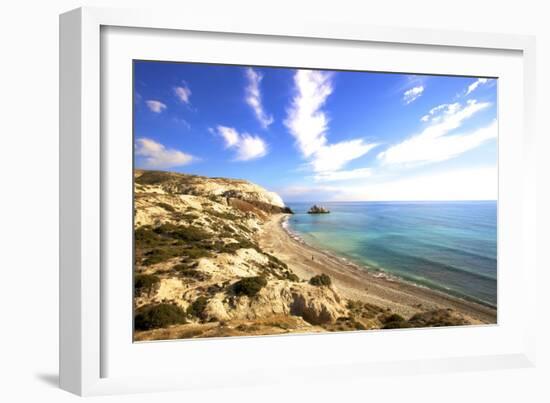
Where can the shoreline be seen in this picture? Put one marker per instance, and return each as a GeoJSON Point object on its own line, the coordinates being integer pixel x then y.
{"type": "Point", "coordinates": [356, 282]}
{"type": "Point", "coordinates": [374, 271]}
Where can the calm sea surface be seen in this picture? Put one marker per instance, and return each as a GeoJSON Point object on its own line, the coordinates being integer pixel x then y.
{"type": "Point", "coordinates": [449, 246]}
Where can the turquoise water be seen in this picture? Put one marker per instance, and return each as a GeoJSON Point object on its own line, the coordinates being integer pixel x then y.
{"type": "Point", "coordinates": [449, 246]}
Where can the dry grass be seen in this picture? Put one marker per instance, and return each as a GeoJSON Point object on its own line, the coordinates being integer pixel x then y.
{"type": "Point", "coordinates": [277, 324]}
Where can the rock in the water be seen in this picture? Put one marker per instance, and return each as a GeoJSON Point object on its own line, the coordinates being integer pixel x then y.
{"type": "Point", "coordinates": [315, 209]}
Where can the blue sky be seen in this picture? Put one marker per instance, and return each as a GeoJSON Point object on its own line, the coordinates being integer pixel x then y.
{"type": "Point", "coordinates": [317, 135]}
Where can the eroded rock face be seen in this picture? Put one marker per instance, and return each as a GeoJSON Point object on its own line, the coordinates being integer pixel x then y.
{"type": "Point", "coordinates": [316, 305]}
{"type": "Point", "coordinates": [216, 311]}
{"type": "Point", "coordinates": [176, 183]}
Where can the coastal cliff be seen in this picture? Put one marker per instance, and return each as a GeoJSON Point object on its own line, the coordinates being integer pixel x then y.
{"type": "Point", "coordinates": [197, 262]}
{"type": "Point", "coordinates": [200, 270]}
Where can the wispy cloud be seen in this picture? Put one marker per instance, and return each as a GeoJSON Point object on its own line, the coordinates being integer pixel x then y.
{"type": "Point", "coordinates": [308, 123]}
{"type": "Point", "coordinates": [333, 157]}
{"type": "Point", "coordinates": [476, 183]}
{"type": "Point", "coordinates": [183, 93]}
{"type": "Point", "coordinates": [413, 94]}
{"type": "Point", "coordinates": [359, 173]}
{"type": "Point", "coordinates": [157, 155]}
{"type": "Point", "coordinates": [247, 146]}
{"type": "Point", "coordinates": [435, 143]}
{"type": "Point", "coordinates": [436, 113]}
{"type": "Point", "coordinates": [181, 121]}
{"type": "Point", "coordinates": [472, 87]}
{"type": "Point", "coordinates": [230, 136]}
{"type": "Point", "coordinates": [253, 97]}
{"type": "Point", "coordinates": [155, 106]}
{"type": "Point", "coordinates": [305, 118]}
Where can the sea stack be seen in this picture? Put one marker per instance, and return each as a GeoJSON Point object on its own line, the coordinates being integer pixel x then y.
{"type": "Point", "coordinates": [315, 209]}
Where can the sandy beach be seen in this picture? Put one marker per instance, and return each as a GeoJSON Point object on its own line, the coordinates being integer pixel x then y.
{"type": "Point", "coordinates": [357, 283]}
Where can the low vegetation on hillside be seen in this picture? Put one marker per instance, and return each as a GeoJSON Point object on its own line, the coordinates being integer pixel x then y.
{"type": "Point", "coordinates": [199, 271]}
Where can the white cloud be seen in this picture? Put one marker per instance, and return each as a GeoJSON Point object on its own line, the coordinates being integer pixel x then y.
{"type": "Point", "coordinates": [435, 144]}
{"type": "Point", "coordinates": [247, 146]}
{"type": "Point", "coordinates": [439, 111]}
{"type": "Point", "coordinates": [254, 97]}
{"type": "Point", "coordinates": [182, 121]}
{"type": "Point", "coordinates": [335, 156]}
{"type": "Point", "coordinates": [250, 147]}
{"type": "Point", "coordinates": [305, 118]}
{"type": "Point", "coordinates": [183, 93]}
{"type": "Point", "coordinates": [308, 123]}
{"type": "Point", "coordinates": [412, 94]}
{"type": "Point", "coordinates": [472, 87]}
{"type": "Point", "coordinates": [230, 135]}
{"type": "Point", "coordinates": [158, 156]}
{"type": "Point", "coordinates": [460, 184]}
{"type": "Point", "coordinates": [155, 106]}
{"type": "Point", "coordinates": [359, 173]}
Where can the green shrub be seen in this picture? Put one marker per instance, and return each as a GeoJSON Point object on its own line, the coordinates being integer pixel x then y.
{"type": "Point", "coordinates": [437, 317]}
{"type": "Point", "coordinates": [153, 177]}
{"type": "Point", "coordinates": [394, 317]}
{"type": "Point", "coordinates": [188, 217]}
{"type": "Point", "coordinates": [155, 245]}
{"type": "Point", "coordinates": [189, 271]}
{"type": "Point", "coordinates": [240, 243]}
{"type": "Point", "coordinates": [250, 285]}
{"type": "Point", "coordinates": [197, 307]}
{"type": "Point", "coordinates": [320, 280]}
{"type": "Point", "coordinates": [355, 305]}
{"type": "Point", "coordinates": [167, 207]}
{"type": "Point", "coordinates": [243, 228]}
{"type": "Point", "coordinates": [223, 215]}
{"type": "Point", "coordinates": [145, 283]}
{"type": "Point", "coordinates": [394, 321]}
{"type": "Point", "coordinates": [215, 198]}
{"type": "Point", "coordinates": [195, 252]}
{"type": "Point", "coordinates": [145, 236]}
{"type": "Point", "coordinates": [190, 233]}
{"type": "Point", "coordinates": [228, 229]}
{"type": "Point", "coordinates": [158, 255]}
{"type": "Point", "coordinates": [158, 316]}
{"type": "Point", "coordinates": [182, 268]}
{"type": "Point", "coordinates": [396, 325]}
{"type": "Point", "coordinates": [293, 277]}
{"type": "Point", "coordinates": [276, 263]}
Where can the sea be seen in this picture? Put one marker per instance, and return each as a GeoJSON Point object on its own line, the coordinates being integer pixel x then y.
{"type": "Point", "coordinates": [447, 246]}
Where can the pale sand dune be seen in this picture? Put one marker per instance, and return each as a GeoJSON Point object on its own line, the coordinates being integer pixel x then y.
{"type": "Point", "coordinates": [353, 282]}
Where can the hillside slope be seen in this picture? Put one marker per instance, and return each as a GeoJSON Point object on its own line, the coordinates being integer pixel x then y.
{"type": "Point", "coordinates": [199, 271]}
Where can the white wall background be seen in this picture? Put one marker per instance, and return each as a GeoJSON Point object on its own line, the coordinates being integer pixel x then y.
{"type": "Point", "coordinates": [29, 201]}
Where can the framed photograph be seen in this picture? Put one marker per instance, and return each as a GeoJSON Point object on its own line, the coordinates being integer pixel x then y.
{"type": "Point", "coordinates": [244, 203]}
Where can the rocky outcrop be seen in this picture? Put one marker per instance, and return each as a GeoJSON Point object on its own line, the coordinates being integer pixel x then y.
{"type": "Point", "coordinates": [316, 305]}
{"type": "Point", "coordinates": [197, 236]}
{"type": "Point", "coordinates": [315, 209]}
{"type": "Point", "coordinates": [176, 183]}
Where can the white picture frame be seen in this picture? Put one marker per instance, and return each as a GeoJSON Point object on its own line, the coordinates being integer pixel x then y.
{"type": "Point", "coordinates": [85, 346]}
